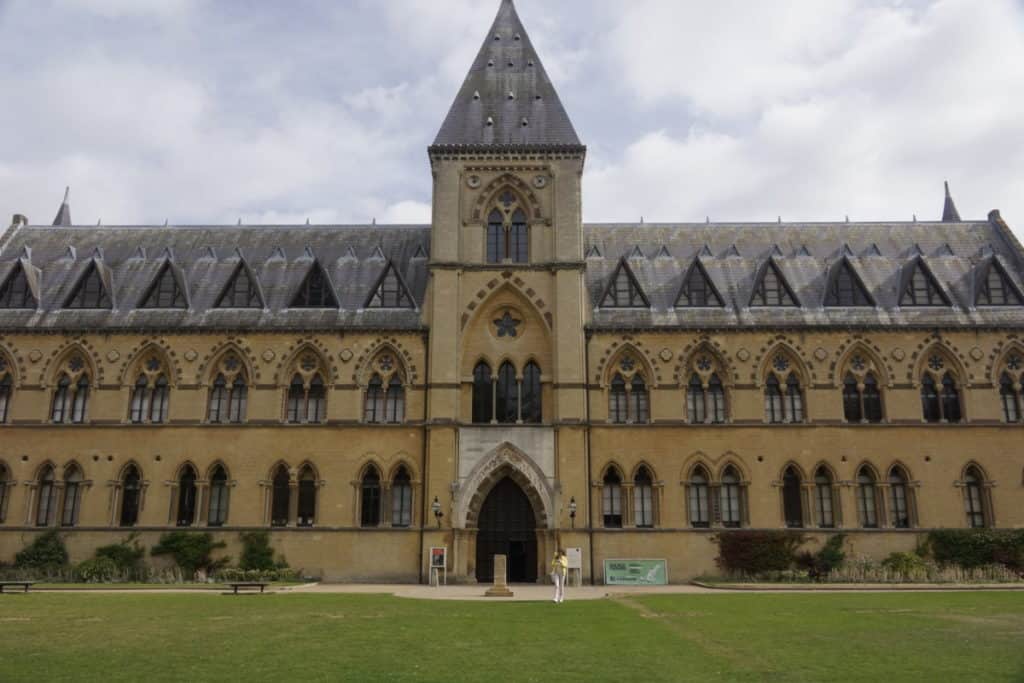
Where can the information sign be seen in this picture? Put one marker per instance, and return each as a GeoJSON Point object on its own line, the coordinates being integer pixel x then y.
{"type": "Point", "coordinates": [635, 573]}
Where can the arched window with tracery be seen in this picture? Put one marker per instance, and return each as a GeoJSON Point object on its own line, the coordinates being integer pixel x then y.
{"type": "Point", "coordinates": [229, 395]}
{"type": "Point", "coordinates": [307, 497]}
{"type": "Point", "coordinates": [628, 398]}
{"type": "Point", "coordinates": [508, 233]}
{"type": "Point", "coordinates": [643, 499]}
{"type": "Point", "coordinates": [506, 405]}
{"type": "Point", "coordinates": [783, 393]}
{"type": "Point", "coordinates": [6, 389]}
{"type": "Point", "coordinates": [867, 498]}
{"type": "Point", "coordinates": [531, 394]}
{"type": "Point", "coordinates": [307, 392]}
{"type": "Point", "coordinates": [976, 502]}
{"type": "Point", "coordinates": [483, 394]}
{"type": "Point", "coordinates": [280, 496]}
{"type": "Point", "coordinates": [940, 392]}
{"type": "Point", "coordinates": [1011, 381]}
{"type": "Point", "coordinates": [611, 499]}
{"type": "Point", "coordinates": [384, 400]}
{"type": "Point", "coordinates": [71, 396]}
{"type": "Point", "coordinates": [150, 398]}
{"type": "Point", "coordinates": [46, 497]}
{"type": "Point", "coordinates": [370, 498]}
{"type": "Point", "coordinates": [705, 393]}
{"type": "Point", "coordinates": [186, 497]}
{"type": "Point", "coordinates": [618, 411]}
{"type": "Point", "coordinates": [900, 500]}
{"type": "Point", "coordinates": [824, 498]}
{"type": "Point", "coordinates": [793, 498]}
{"type": "Point", "coordinates": [401, 499]}
{"type": "Point", "coordinates": [862, 399]}
{"type": "Point", "coordinates": [731, 498]}
{"type": "Point", "coordinates": [131, 496]}
{"type": "Point", "coordinates": [72, 496]}
{"type": "Point", "coordinates": [699, 495]}
{"type": "Point", "coordinates": [217, 511]}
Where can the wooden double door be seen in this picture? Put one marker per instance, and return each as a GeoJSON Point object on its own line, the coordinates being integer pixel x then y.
{"type": "Point", "coordinates": [506, 526]}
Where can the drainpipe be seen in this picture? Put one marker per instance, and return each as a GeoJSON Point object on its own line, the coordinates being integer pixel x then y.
{"type": "Point", "coordinates": [586, 450]}
{"type": "Point", "coordinates": [423, 451]}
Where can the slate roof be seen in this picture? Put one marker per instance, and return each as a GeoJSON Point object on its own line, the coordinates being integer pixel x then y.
{"type": "Point", "coordinates": [131, 257]}
{"type": "Point", "coordinates": [507, 97]}
{"type": "Point", "coordinates": [734, 254]}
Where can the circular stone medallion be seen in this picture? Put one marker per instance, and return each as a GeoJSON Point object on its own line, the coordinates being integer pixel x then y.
{"type": "Point", "coordinates": [191, 355]}
{"type": "Point", "coordinates": [113, 356]}
{"type": "Point", "coordinates": [540, 182]}
{"type": "Point", "coordinates": [898, 354]}
{"type": "Point", "coordinates": [977, 354]}
{"type": "Point", "coordinates": [743, 355]}
{"type": "Point", "coordinates": [473, 182]}
{"type": "Point", "coordinates": [820, 353]}
{"type": "Point", "coordinates": [666, 355]}
{"type": "Point", "coordinates": [345, 355]}
{"type": "Point", "coordinates": [269, 355]}
{"type": "Point", "coordinates": [35, 355]}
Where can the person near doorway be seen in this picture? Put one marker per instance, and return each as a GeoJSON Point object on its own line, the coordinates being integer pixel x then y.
{"type": "Point", "coordinates": [559, 572]}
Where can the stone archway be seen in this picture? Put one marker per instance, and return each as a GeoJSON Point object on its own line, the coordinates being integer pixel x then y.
{"type": "Point", "coordinates": [505, 461]}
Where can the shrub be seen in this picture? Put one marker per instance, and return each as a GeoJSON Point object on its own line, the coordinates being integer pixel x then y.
{"type": "Point", "coordinates": [126, 555]}
{"type": "Point", "coordinates": [191, 550]}
{"type": "Point", "coordinates": [753, 552]}
{"type": "Point", "coordinates": [256, 551]}
{"type": "Point", "coordinates": [46, 552]}
{"type": "Point", "coordinates": [820, 564]}
{"type": "Point", "coordinates": [97, 570]}
{"type": "Point", "coordinates": [970, 548]}
{"type": "Point", "coordinates": [905, 564]}
{"type": "Point", "coordinates": [229, 574]}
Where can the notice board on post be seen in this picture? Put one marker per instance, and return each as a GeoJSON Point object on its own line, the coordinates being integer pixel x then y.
{"type": "Point", "coordinates": [635, 573]}
{"type": "Point", "coordinates": [575, 557]}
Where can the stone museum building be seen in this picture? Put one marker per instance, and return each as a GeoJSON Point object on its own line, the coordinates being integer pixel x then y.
{"type": "Point", "coordinates": [509, 379]}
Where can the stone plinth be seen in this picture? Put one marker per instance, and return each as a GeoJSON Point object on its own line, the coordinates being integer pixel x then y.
{"type": "Point", "coordinates": [500, 587]}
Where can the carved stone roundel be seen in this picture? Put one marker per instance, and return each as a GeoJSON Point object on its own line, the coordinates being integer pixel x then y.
{"type": "Point", "coordinates": [268, 355]}
{"type": "Point", "coordinates": [473, 182]}
{"type": "Point", "coordinates": [743, 355]}
{"type": "Point", "coordinates": [666, 355]}
{"type": "Point", "coordinates": [191, 355]}
{"type": "Point", "coordinates": [977, 354]}
{"type": "Point", "coordinates": [113, 356]}
{"type": "Point", "coordinates": [898, 354]}
{"type": "Point", "coordinates": [35, 355]}
{"type": "Point", "coordinates": [820, 353]}
{"type": "Point", "coordinates": [345, 355]}
{"type": "Point", "coordinates": [540, 182]}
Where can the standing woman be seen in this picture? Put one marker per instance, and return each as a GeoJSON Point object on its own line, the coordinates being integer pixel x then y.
{"type": "Point", "coordinates": [559, 570]}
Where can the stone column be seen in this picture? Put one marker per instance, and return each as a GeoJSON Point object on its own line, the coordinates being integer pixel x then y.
{"type": "Point", "coordinates": [500, 588]}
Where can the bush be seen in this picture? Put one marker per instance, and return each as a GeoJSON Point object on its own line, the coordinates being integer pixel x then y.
{"type": "Point", "coordinates": [97, 570]}
{"type": "Point", "coordinates": [191, 551]}
{"type": "Point", "coordinates": [256, 551]}
{"type": "Point", "coordinates": [905, 564]}
{"type": "Point", "coordinates": [971, 548]}
{"type": "Point", "coordinates": [229, 574]}
{"type": "Point", "coordinates": [126, 555]}
{"type": "Point", "coordinates": [46, 553]}
{"type": "Point", "coordinates": [753, 552]}
{"type": "Point", "coordinates": [822, 563]}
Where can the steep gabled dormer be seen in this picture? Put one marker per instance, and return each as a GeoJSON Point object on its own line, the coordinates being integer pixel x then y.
{"type": "Point", "coordinates": [242, 289]}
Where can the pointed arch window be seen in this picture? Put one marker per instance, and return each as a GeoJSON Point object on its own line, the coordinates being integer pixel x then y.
{"type": "Point", "coordinates": [394, 401]}
{"type": "Point", "coordinates": [824, 498]}
{"type": "Point", "coordinates": [1009, 395]}
{"type": "Point", "coordinates": [187, 497]}
{"type": "Point", "coordinates": [15, 292]}
{"type": "Point", "coordinates": [307, 497]}
{"type": "Point", "coordinates": [5, 395]}
{"type": "Point", "coordinates": [370, 498]}
{"type": "Point", "coordinates": [867, 499]}
{"type": "Point", "coordinates": [794, 400]}
{"type": "Point", "coordinates": [306, 405]}
{"type": "Point", "coordinates": [131, 496]}
{"type": "Point", "coordinates": [862, 400]}
{"type": "Point", "coordinates": [166, 291]}
{"type": "Point", "coordinates": [772, 289]}
{"type": "Point", "coordinates": [70, 400]}
{"type": "Point", "coordinates": [639, 404]}
{"type": "Point", "coordinates": [695, 406]}
{"type": "Point", "coordinates": [373, 408]}
{"type": "Point", "coordinates": [140, 400]}
{"type": "Point", "coordinates": [508, 236]}
{"type": "Point", "coordinates": [698, 291]}
{"type": "Point", "coordinates": [507, 395]}
{"type": "Point", "coordinates": [217, 514]}
{"type": "Point", "coordinates": [705, 404]}
{"type": "Point", "coordinates": [46, 498]}
{"type": "Point", "coordinates": [280, 497]}
{"type": "Point", "coordinates": [773, 401]}
{"type": "Point", "coordinates": [611, 500]}
{"type": "Point", "coordinates": [315, 290]}
{"type": "Point", "coordinates": [643, 499]}
{"type": "Point", "coordinates": [401, 499]}
{"type": "Point", "coordinates": [899, 499]}
{"type": "Point", "coordinates": [241, 290]}
{"type": "Point", "coordinates": [160, 401]}
{"type": "Point", "coordinates": [940, 402]}
{"type": "Point", "coordinates": [700, 511]}
{"type": "Point", "coordinates": [996, 288]}
{"type": "Point", "coordinates": [731, 499]}
{"type": "Point", "coordinates": [975, 499]}
{"type": "Point", "coordinates": [496, 248]}
{"type": "Point", "coordinates": [61, 407]}
{"type": "Point", "coordinates": [618, 411]}
{"type": "Point", "coordinates": [90, 292]}
{"type": "Point", "coordinates": [793, 498]}
{"type": "Point", "coordinates": [483, 394]}
{"type": "Point", "coordinates": [72, 496]}
{"type": "Point", "coordinates": [930, 400]}
{"type": "Point", "coordinates": [531, 394]}
{"type": "Point", "coordinates": [228, 400]}
{"type": "Point", "coordinates": [852, 409]}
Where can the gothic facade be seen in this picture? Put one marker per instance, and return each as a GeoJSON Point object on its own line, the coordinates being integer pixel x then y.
{"type": "Point", "coordinates": [509, 379]}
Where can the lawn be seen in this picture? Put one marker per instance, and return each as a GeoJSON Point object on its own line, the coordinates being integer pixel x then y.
{"type": "Point", "coordinates": [748, 637]}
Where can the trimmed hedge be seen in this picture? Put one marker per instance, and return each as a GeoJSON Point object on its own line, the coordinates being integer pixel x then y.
{"type": "Point", "coordinates": [752, 552]}
{"type": "Point", "coordinates": [970, 548]}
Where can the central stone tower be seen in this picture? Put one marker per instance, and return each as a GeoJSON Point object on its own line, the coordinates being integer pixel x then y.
{"type": "Point", "coordinates": [506, 310]}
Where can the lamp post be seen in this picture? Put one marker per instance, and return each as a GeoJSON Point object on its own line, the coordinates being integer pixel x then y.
{"type": "Point", "coordinates": [572, 511]}
{"type": "Point", "coordinates": [436, 507]}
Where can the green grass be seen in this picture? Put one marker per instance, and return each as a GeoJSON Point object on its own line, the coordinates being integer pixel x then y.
{"type": "Point", "coordinates": [144, 586]}
{"type": "Point", "coordinates": [755, 637]}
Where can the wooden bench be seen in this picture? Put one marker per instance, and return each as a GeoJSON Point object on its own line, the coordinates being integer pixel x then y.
{"type": "Point", "coordinates": [24, 584]}
{"type": "Point", "coordinates": [247, 584]}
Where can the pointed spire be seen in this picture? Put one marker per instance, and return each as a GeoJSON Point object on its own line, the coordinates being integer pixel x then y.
{"type": "Point", "coordinates": [949, 212]}
{"type": "Point", "coordinates": [803, 251]}
{"type": "Point", "coordinates": [484, 113]}
{"type": "Point", "coordinates": [637, 252]}
{"type": "Point", "coordinates": [594, 252]}
{"type": "Point", "coordinates": [63, 217]}
{"type": "Point", "coordinates": [663, 252]}
{"type": "Point", "coordinates": [705, 252]}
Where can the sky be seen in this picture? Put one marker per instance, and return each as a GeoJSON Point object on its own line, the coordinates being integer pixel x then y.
{"type": "Point", "coordinates": [206, 112]}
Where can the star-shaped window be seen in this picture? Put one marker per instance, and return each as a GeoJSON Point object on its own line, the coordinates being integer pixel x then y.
{"type": "Point", "coordinates": [507, 325]}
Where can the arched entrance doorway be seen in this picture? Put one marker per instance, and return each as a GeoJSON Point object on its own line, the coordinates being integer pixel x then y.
{"type": "Point", "coordinates": [506, 526]}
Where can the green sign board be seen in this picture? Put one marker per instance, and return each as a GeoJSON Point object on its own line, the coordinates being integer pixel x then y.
{"type": "Point", "coordinates": [635, 573]}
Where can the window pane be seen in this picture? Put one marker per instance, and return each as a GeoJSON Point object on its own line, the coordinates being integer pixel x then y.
{"type": "Point", "coordinates": [507, 407]}
{"type": "Point", "coordinates": [483, 397]}
{"type": "Point", "coordinates": [370, 499]}
{"type": "Point", "coordinates": [531, 394]}
{"type": "Point", "coordinates": [280, 498]}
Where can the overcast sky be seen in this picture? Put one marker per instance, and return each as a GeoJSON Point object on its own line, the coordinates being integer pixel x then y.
{"type": "Point", "coordinates": [206, 112]}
